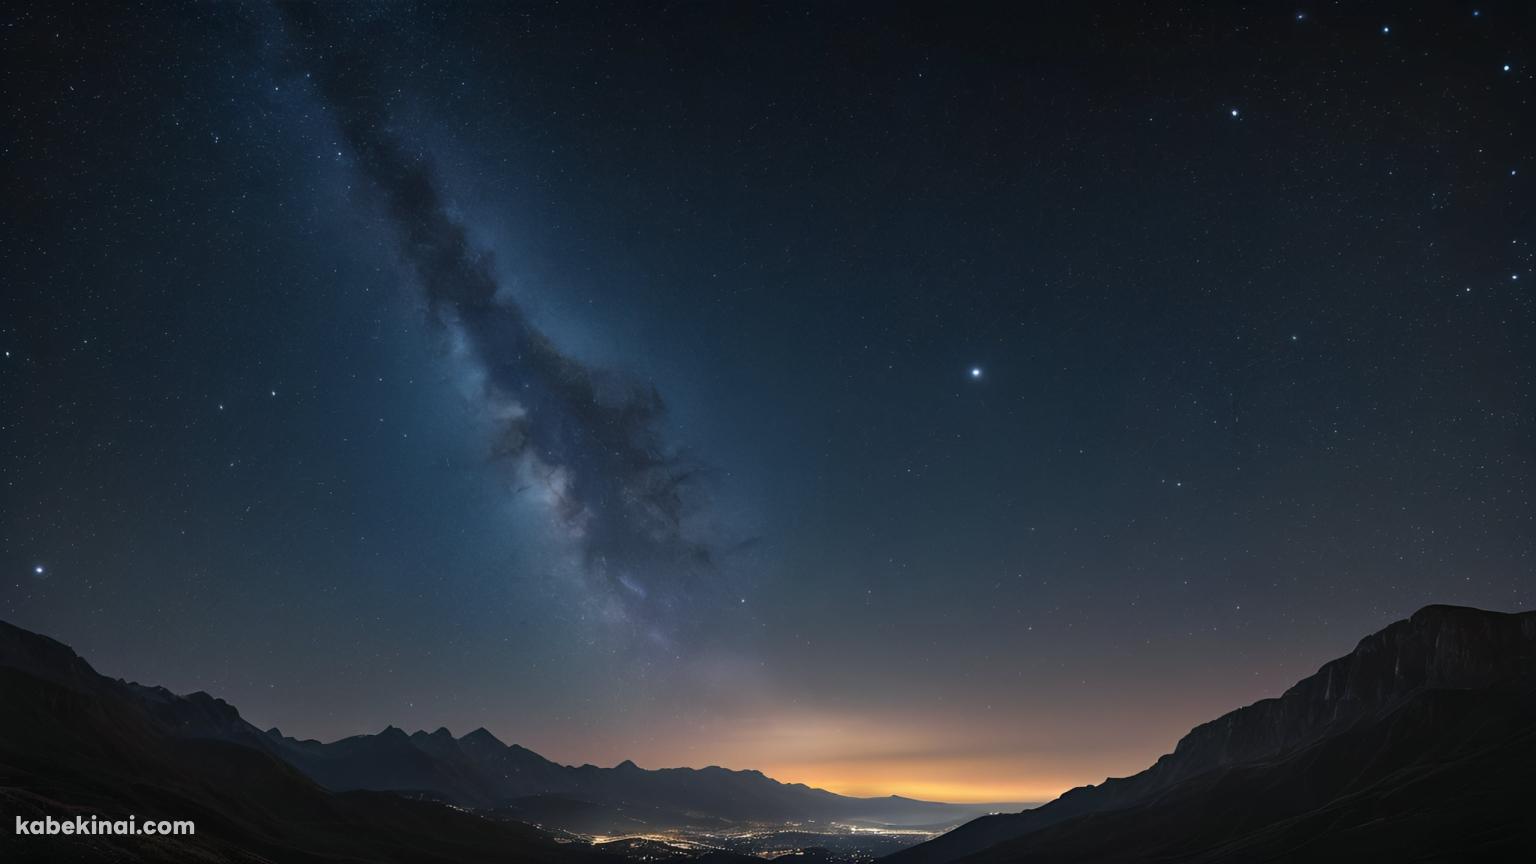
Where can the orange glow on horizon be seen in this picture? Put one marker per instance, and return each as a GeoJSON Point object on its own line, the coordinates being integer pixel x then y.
{"type": "Point", "coordinates": [956, 782]}
{"type": "Point", "coordinates": [920, 754]}
{"type": "Point", "coordinates": [951, 792]}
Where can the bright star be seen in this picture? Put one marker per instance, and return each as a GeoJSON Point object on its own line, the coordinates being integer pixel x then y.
{"type": "Point", "coordinates": [975, 371]}
{"type": "Point", "coordinates": [1234, 112]}
{"type": "Point", "coordinates": [1386, 29]}
{"type": "Point", "coordinates": [38, 569]}
{"type": "Point", "coordinates": [1506, 67]}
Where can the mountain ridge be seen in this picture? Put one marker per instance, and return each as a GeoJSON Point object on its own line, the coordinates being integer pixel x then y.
{"type": "Point", "coordinates": [90, 746]}
{"type": "Point", "coordinates": [1439, 647]}
{"type": "Point", "coordinates": [478, 770]}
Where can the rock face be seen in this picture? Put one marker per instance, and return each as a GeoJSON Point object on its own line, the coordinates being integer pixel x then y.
{"type": "Point", "coordinates": [1440, 648]}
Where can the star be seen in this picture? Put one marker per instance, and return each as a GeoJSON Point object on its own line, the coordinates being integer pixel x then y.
{"type": "Point", "coordinates": [975, 371]}
{"type": "Point", "coordinates": [1506, 67]}
{"type": "Point", "coordinates": [1386, 29]}
{"type": "Point", "coordinates": [1234, 112]}
{"type": "Point", "coordinates": [38, 569]}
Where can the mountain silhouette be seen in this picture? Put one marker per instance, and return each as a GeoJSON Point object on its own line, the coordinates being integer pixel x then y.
{"type": "Point", "coordinates": [74, 741]}
{"type": "Point", "coordinates": [1414, 746]}
{"type": "Point", "coordinates": [479, 771]}
{"type": "Point", "coordinates": [1417, 745]}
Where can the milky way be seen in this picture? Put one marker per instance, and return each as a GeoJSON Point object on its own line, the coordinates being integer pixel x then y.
{"type": "Point", "coordinates": [590, 438]}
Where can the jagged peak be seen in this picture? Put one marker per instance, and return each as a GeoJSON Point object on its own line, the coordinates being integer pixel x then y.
{"type": "Point", "coordinates": [626, 765]}
{"type": "Point", "coordinates": [482, 737]}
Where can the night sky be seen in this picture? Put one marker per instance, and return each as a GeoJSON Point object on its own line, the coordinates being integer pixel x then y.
{"type": "Point", "coordinates": [960, 404]}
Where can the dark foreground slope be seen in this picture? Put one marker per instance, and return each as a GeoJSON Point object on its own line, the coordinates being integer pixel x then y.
{"type": "Point", "coordinates": [74, 742]}
{"type": "Point", "coordinates": [1415, 746]}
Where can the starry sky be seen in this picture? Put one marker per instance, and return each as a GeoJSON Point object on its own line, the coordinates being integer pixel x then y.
{"type": "Point", "coordinates": [950, 402]}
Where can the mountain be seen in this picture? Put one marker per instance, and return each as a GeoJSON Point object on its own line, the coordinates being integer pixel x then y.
{"type": "Point", "coordinates": [1417, 742]}
{"type": "Point", "coordinates": [1415, 746]}
{"type": "Point", "coordinates": [479, 771]}
{"type": "Point", "coordinates": [72, 740]}
{"type": "Point", "coordinates": [75, 742]}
